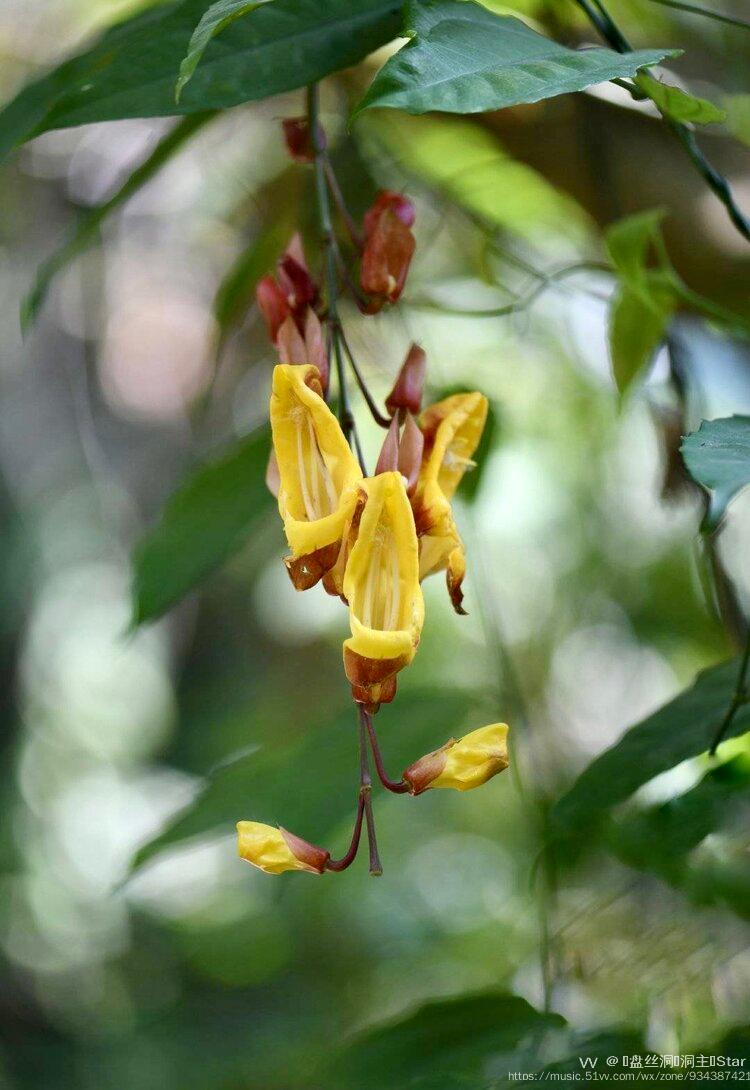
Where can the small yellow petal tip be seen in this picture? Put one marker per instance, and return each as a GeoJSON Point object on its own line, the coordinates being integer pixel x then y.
{"type": "Point", "coordinates": [462, 765]}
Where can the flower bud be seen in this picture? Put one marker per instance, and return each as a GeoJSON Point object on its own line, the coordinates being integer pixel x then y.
{"type": "Point", "coordinates": [275, 850]}
{"type": "Point", "coordinates": [273, 305]}
{"type": "Point", "coordinates": [388, 458]}
{"type": "Point", "coordinates": [289, 343]}
{"type": "Point", "coordinates": [389, 200]}
{"type": "Point", "coordinates": [468, 763]}
{"type": "Point", "coordinates": [410, 452]}
{"type": "Point", "coordinates": [407, 389]}
{"type": "Point", "coordinates": [388, 250]}
{"type": "Point", "coordinates": [315, 347]}
{"type": "Point", "coordinates": [295, 280]}
{"type": "Point", "coordinates": [298, 139]}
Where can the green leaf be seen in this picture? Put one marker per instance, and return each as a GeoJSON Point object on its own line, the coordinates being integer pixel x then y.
{"type": "Point", "coordinates": [738, 116]}
{"type": "Point", "coordinates": [207, 520]}
{"type": "Point", "coordinates": [89, 222]}
{"type": "Point", "coordinates": [309, 784]}
{"type": "Point", "coordinates": [681, 729]}
{"type": "Point", "coordinates": [131, 70]}
{"type": "Point", "coordinates": [217, 18]}
{"type": "Point", "coordinates": [637, 324]}
{"type": "Point", "coordinates": [464, 59]}
{"type": "Point", "coordinates": [718, 457]}
{"type": "Point", "coordinates": [678, 105]}
{"type": "Point", "coordinates": [469, 166]}
{"type": "Point", "coordinates": [660, 838]}
{"type": "Point", "coordinates": [448, 1044]}
{"type": "Point", "coordinates": [629, 241]}
{"type": "Point", "coordinates": [647, 298]}
{"type": "Point", "coordinates": [236, 290]}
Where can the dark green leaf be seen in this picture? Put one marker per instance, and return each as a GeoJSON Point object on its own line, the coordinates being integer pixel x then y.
{"type": "Point", "coordinates": [207, 520]}
{"type": "Point", "coordinates": [637, 324]}
{"type": "Point", "coordinates": [718, 457]}
{"type": "Point", "coordinates": [597, 1046]}
{"type": "Point", "coordinates": [236, 291]}
{"type": "Point", "coordinates": [450, 1043]}
{"type": "Point", "coordinates": [90, 221]}
{"type": "Point", "coordinates": [678, 105]}
{"type": "Point", "coordinates": [131, 70]}
{"type": "Point", "coordinates": [217, 18]}
{"type": "Point", "coordinates": [310, 785]}
{"type": "Point", "coordinates": [681, 729]}
{"type": "Point", "coordinates": [464, 59]}
{"type": "Point", "coordinates": [661, 837]}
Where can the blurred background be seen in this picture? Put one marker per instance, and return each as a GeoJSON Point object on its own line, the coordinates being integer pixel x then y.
{"type": "Point", "coordinates": [585, 590]}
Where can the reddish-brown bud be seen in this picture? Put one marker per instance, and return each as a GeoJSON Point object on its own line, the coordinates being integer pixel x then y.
{"type": "Point", "coordinates": [298, 139]}
{"type": "Point", "coordinates": [289, 343]}
{"type": "Point", "coordinates": [410, 452]}
{"type": "Point", "coordinates": [407, 389]}
{"type": "Point", "coordinates": [299, 287]}
{"type": "Point", "coordinates": [388, 459]}
{"type": "Point", "coordinates": [315, 347]}
{"type": "Point", "coordinates": [388, 250]}
{"type": "Point", "coordinates": [273, 305]}
{"type": "Point", "coordinates": [388, 199]}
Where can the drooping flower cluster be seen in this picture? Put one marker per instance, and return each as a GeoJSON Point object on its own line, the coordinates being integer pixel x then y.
{"type": "Point", "coordinates": [369, 539]}
{"type": "Point", "coordinates": [372, 540]}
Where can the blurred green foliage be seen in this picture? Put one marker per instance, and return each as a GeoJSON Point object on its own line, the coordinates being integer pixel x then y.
{"type": "Point", "coordinates": [605, 876]}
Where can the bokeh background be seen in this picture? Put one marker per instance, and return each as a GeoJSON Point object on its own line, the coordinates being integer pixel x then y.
{"type": "Point", "coordinates": [585, 589]}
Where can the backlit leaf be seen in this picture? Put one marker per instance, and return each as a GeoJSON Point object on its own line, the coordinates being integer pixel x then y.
{"type": "Point", "coordinates": [677, 104]}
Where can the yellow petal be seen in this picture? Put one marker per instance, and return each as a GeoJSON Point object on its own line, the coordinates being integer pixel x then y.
{"type": "Point", "coordinates": [270, 849]}
{"type": "Point", "coordinates": [381, 585]}
{"type": "Point", "coordinates": [465, 764]}
{"type": "Point", "coordinates": [452, 429]}
{"type": "Point", "coordinates": [475, 758]}
{"type": "Point", "coordinates": [319, 474]}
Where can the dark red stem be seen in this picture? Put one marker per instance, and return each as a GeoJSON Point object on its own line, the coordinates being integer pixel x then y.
{"type": "Point", "coordinates": [348, 859]}
{"type": "Point", "coordinates": [399, 788]}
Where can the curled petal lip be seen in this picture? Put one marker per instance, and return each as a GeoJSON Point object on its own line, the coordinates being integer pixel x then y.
{"type": "Point", "coordinates": [319, 475]}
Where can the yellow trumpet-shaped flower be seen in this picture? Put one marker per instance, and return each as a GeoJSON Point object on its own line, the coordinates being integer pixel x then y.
{"type": "Point", "coordinates": [381, 585]}
{"type": "Point", "coordinates": [275, 850]}
{"type": "Point", "coordinates": [318, 473]}
{"type": "Point", "coordinates": [452, 429]}
{"type": "Point", "coordinates": [465, 764]}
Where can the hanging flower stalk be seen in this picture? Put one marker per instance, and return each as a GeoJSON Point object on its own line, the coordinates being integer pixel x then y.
{"type": "Point", "coordinates": [370, 539]}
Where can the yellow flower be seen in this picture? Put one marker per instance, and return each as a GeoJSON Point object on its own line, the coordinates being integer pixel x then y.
{"type": "Point", "coordinates": [381, 585]}
{"type": "Point", "coordinates": [468, 763]}
{"type": "Point", "coordinates": [276, 850]}
{"type": "Point", "coordinates": [452, 429]}
{"type": "Point", "coordinates": [318, 473]}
